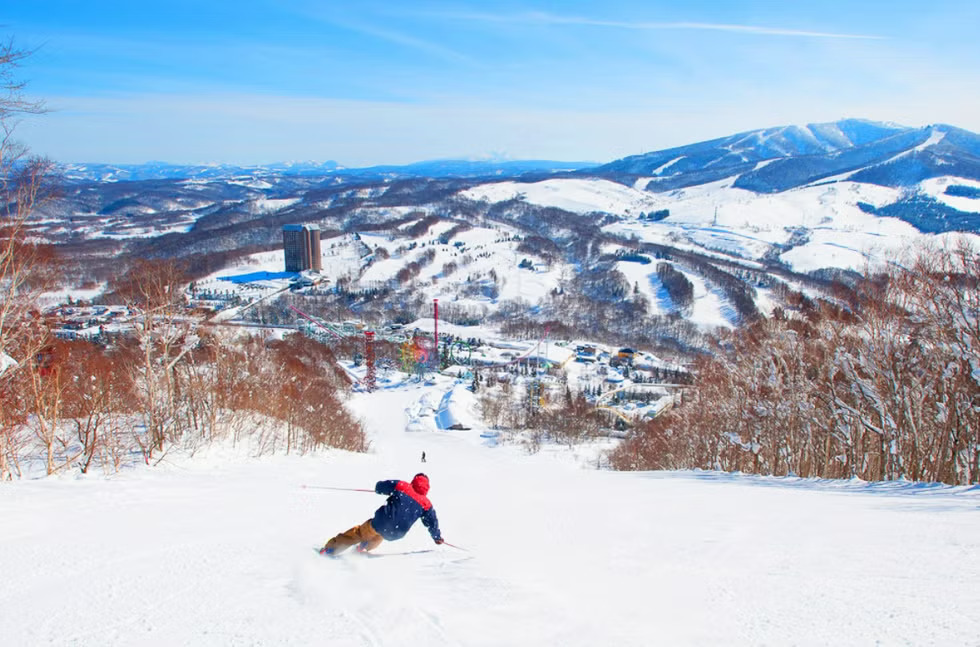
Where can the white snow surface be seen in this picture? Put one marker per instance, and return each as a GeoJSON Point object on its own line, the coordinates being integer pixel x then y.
{"type": "Point", "coordinates": [577, 196]}
{"type": "Point", "coordinates": [719, 218]}
{"type": "Point", "coordinates": [6, 361]}
{"type": "Point", "coordinates": [710, 308]}
{"type": "Point", "coordinates": [481, 252]}
{"type": "Point", "coordinates": [271, 205]}
{"type": "Point", "coordinates": [219, 550]}
{"type": "Point", "coordinates": [936, 188]}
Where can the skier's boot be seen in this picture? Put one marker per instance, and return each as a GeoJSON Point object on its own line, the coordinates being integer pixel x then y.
{"type": "Point", "coordinates": [327, 552]}
{"type": "Point", "coordinates": [362, 547]}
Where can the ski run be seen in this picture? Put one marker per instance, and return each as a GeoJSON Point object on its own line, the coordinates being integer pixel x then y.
{"type": "Point", "coordinates": [217, 549]}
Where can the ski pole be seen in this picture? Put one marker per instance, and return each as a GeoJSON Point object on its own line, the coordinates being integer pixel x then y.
{"type": "Point", "coordinates": [446, 543]}
{"type": "Point", "coordinates": [326, 487]}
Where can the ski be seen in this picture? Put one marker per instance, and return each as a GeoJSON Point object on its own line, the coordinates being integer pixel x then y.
{"type": "Point", "coordinates": [372, 555]}
{"type": "Point", "coordinates": [398, 554]}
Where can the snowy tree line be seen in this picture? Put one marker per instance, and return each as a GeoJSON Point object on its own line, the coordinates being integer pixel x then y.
{"type": "Point", "coordinates": [75, 404]}
{"type": "Point", "coordinates": [534, 411]}
{"type": "Point", "coordinates": [883, 386]}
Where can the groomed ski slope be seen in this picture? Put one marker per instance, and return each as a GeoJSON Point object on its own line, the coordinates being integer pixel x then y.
{"type": "Point", "coordinates": [219, 550]}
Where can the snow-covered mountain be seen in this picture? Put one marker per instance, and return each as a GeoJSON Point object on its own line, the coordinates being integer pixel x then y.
{"type": "Point", "coordinates": [778, 159]}
{"type": "Point", "coordinates": [837, 195]}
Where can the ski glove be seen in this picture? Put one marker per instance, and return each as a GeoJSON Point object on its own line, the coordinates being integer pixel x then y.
{"type": "Point", "coordinates": [438, 541]}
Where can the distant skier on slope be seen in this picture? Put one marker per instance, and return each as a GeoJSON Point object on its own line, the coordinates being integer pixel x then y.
{"type": "Point", "coordinates": [405, 505]}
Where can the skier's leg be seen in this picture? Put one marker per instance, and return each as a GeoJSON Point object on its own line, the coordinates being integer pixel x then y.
{"type": "Point", "coordinates": [370, 539]}
{"type": "Point", "coordinates": [346, 539]}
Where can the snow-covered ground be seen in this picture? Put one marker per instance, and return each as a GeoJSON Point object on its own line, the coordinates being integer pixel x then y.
{"type": "Point", "coordinates": [644, 277]}
{"type": "Point", "coordinates": [476, 269]}
{"type": "Point", "coordinates": [579, 196]}
{"type": "Point", "coordinates": [219, 550]}
{"type": "Point", "coordinates": [936, 189]}
{"type": "Point", "coordinates": [475, 253]}
{"type": "Point", "coordinates": [271, 205]}
{"type": "Point", "coordinates": [744, 224]}
{"type": "Point", "coordinates": [709, 310]}
{"type": "Point", "coordinates": [718, 218]}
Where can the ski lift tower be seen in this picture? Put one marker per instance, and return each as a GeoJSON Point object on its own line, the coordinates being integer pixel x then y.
{"type": "Point", "coordinates": [370, 378]}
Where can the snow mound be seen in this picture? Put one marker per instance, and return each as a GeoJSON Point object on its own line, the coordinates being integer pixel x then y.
{"type": "Point", "coordinates": [458, 409]}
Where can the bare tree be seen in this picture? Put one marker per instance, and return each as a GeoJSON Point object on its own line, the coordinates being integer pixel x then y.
{"type": "Point", "coordinates": [22, 333]}
{"type": "Point", "coordinates": [20, 186]}
{"type": "Point", "coordinates": [887, 388]}
{"type": "Point", "coordinates": [153, 292]}
{"type": "Point", "coordinates": [97, 394]}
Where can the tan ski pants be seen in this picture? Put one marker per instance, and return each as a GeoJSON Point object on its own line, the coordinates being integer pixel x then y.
{"type": "Point", "coordinates": [363, 533]}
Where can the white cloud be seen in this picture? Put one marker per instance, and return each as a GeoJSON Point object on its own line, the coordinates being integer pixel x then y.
{"type": "Point", "coordinates": [413, 42]}
{"type": "Point", "coordinates": [538, 17]}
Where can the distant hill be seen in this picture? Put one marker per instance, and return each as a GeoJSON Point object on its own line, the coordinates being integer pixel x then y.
{"type": "Point", "coordinates": [449, 168]}
{"type": "Point", "coordinates": [738, 216]}
{"type": "Point", "coordinates": [771, 160]}
{"type": "Point", "coordinates": [102, 172]}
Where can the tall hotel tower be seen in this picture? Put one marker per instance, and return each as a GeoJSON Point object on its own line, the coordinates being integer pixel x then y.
{"type": "Point", "coordinates": [302, 246]}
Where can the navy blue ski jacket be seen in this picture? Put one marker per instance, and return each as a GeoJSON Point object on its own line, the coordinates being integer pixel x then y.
{"type": "Point", "coordinates": [405, 505]}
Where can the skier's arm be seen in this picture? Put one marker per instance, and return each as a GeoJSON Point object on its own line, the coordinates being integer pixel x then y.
{"type": "Point", "coordinates": [430, 521]}
{"type": "Point", "coordinates": [385, 487]}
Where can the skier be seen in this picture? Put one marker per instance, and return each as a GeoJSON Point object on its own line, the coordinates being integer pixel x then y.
{"type": "Point", "coordinates": [423, 457]}
{"type": "Point", "coordinates": [405, 505]}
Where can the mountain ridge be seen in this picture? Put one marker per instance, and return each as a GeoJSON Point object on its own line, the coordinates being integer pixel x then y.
{"type": "Point", "coordinates": [771, 160]}
{"type": "Point", "coordinates": [765, 160]}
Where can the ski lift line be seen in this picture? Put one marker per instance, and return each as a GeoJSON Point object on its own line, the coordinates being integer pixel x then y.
{"type": "Point", "coordinates": [249, 306]}
{"type": "Point", "coordinates": [618, 413]}
{"type": "Point", "coordinates": [517, 359]}
{"type": "Point", "coordinates": [336, 334]}
{"type": "Point", "coordinates": [353, 377]}
{"type": "Point", "coordinates": [319, 323]}
{"type": "Point", "coordinates": [666, 407]}
{"type": "Point", "coordinates": [608, 394]}
{"type": "Point", "coordinates": [644, 385]}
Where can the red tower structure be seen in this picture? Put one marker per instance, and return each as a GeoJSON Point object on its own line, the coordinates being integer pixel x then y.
{"type": "Point", "coordinates": [370, 379]}
{"type": "Point", "coordinates": [435, 321]}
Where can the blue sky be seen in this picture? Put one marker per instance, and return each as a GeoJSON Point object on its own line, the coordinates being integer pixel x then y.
{"type": "Point", "coordinates": [363, 83]}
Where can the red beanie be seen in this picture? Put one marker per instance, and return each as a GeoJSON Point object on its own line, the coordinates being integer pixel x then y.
{"type": "Point", "coordinates": [420, 483]}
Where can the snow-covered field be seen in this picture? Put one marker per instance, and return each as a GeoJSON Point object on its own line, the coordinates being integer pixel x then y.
{"type": "Point", "coordinates": [716, 217]}
{"type": "Point", "coordinates": [219, 550]}
{"type": "Point", "coordinates": [710, 308]}
{"type": "Point", "coordinates": [936, 189]}
{"type": "Point", "coordinates": [475, 253]}
{"type": "Point", "coordinates": [578, 196]}
{"type": "Point", "coordinates": [744, 224]}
